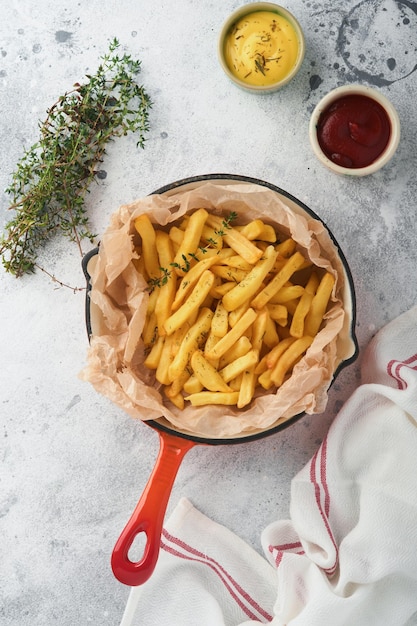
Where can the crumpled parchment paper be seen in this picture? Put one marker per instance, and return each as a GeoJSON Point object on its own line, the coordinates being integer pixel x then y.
{"type": "Point", "coordinates": [118, 305]}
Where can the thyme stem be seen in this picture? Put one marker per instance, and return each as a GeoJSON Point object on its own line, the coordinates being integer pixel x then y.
{"type": "Point", "coordinates": [52, 178]}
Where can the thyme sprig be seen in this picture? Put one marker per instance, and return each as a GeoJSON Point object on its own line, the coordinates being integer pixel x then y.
{"type": "Point", "coordinates": [52, 178]}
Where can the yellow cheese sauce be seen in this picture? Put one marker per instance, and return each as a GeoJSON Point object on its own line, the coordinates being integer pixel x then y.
{"type": "Point", "coordinates": [261, 48]}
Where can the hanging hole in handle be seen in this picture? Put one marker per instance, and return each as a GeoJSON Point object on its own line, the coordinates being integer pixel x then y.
{"type": "Point", "coordinates": [137, 548]}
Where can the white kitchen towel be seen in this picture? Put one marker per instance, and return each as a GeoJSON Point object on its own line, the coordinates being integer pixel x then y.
{"type": "Point", "coordinates": [348, 553]}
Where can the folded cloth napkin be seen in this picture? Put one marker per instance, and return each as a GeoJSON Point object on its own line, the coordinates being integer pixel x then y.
{"type": "Point", "coordinates": [348, 553]}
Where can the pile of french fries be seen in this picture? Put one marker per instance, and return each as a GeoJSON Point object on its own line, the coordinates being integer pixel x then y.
{"type": "Point", "coordinates": [231, 308]}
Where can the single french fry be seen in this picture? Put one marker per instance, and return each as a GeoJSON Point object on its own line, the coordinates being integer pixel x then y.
{"type": "Point", "coordinates": [176, 235]}
{"type": "Point", "coordinates": [319, 305]}
{"type": "Point", "coordinates": [239, 348]}
{"type": "Point", "coordinates": [249, 377]}
{"type": "Point", "coordinates": [268, 234]}
{"type": "Point", "coordinates": [154, 355]}
{"type": "Point", "coordinates": [271, 336]}
{"type": "Point", "coordinates": [226, 342]}
{"type": "Point", "coordinates": [279, 280]}
{"type": "Point", "coordinates": [144, 227]}
{"type": "Point", "coordinates": [238, 242]}
{"type": "Point", "coordinates": [213, 397]}
{"type": "Point", "coordinates": [289, 358]}
{"type": "Point", "coordinates": [239, 365]}
{"type": "Point", "coordinates": [277, 351]}
{"type": "Point", "coordinates": [235, 384]}
{"type": "Point", "coordinates": [177, 385]}
{"type": "Point", "coordinates": [218, 291]}
{"type": "Point", "coordinates": [247, 387]}
{"type": "Point", "coordinates": [210, 236]}
{"type": "Point", "coordinates": [238, 262]}
{"type": "Point", "coordinates": [303, 306]}
{"type": "Point", "coordinates": [150, 330]}
{"type": "Point", "coordinates": [177, 400]}
{"type": "Point", "coordinates": [194, 338]}
{"type": "Point", "coordinates": [191, 240]}
{"type": "Point", "coordinates": [286, 293]}
{"type": "Point", "coordinates": [229, 273]}
{"type": "Point", "coordinates": [165, 360]}
{"type": "Point", "coordinates": [208, 376]}
{"type": "Point", "coordinates": [252, 230]}
{"type": "Point", "coordinates": [264, 379]}
{"type": "Point", "coordinates": [279, 313]}
{"type": "Point", "coordinates": [286, 248]}
{"type": "Point", "coordinates": [193, 385]}
{"type": "Point", "coordinates": [188, 282]}
{"type": "Point", "coordinates": [265, 366]}
{"type": "Point", "coordinates": [193, 302]}
{"type": "Point", "coordinates": [252, 282]}
{"type": "Point", "coordinates": [220, 324]}
{"type": "Point", "coordinates": [234, 316]}
{"type": "Point", "coordinates": [167, 291]}
{"type": "Point", "coordinates": [209, 344]}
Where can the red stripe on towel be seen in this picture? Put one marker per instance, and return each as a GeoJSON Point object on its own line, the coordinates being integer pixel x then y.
{"type": "Point", "coordinates": [252, 609]}
{"type": "Point", "coordinates": [321, 491]}
{"type": "Point", "coordinates": [394, 370]}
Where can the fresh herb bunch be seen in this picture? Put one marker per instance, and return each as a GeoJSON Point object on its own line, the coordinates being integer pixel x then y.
{"type": "Point", "coordinates": [51, 180]}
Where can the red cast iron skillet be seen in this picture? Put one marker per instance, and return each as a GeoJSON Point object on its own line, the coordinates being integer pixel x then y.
{"type": "Point", "coordinates": [148, 516]}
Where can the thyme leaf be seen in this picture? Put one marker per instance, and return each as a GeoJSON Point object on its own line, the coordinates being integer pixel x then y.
{"type": "Point", "coordinates": [51, 180]}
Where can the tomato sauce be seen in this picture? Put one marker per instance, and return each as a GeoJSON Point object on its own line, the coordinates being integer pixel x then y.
{"type": "Point", "coordinates": [353, 131]}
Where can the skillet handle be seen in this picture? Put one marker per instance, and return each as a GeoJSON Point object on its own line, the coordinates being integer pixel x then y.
{"type": "Point", "coordinates": [148, 516]}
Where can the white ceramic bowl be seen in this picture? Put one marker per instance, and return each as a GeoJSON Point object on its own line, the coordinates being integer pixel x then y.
{"type": "Point", "coordinates": [331, 98]}
{"type": "Point", "coordinates": [243, 11]}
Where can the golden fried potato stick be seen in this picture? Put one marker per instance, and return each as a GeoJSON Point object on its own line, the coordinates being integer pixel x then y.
{"type": "Point", "coordinates": [213, 397]}
{"type": "Point", "coordinates": [193, 385]}
{"type": "Point", "coordinates": [150, 330]}
{"type": "Point", "coordinates": [252, 230]}
{"type": "Point", "coordinates": [177, 385]}
{"type": "Point", "coordinates": [239, 365]}
{"type": "Point", "coordinates": [165, 360]}
{"type": "Point", "coordinates": [226, 342]}
{"type": "Point", "coordinates": [238, 242]}
{"type": "Point", "coordinates": [237, 261]}
{"type": "Point", "coordinates": [288, 359]}
{"type": "Point", "coordinates": [167, 291]}
{"type": "Point", "coordinates": [287, 293]}
{"type": "Point", "coordinates": [176, 235]}
{"type": "Point", "coordinates": [249, 377]}
{"type": "Point", "coordinates": [193, 338]}
{"type": "Point", "coordinates": [192, 303]}
{"type": "Point", "coordinates": [209, 236]}
{"type": "Point", "coordinates": [191, 239]}
{"type": "Point", "coordinates": [229, 273]}
{"type": "Point", "coordinates": [279, 280]}
{"type": "Point", "coordinates": [279, 313]}
{"type": "Point", "coordinates": [239, 348]}
{"type": "Point", "coordinates": [146, 230]}
{"type": "Point", "coordinates": [207, 374]}
{"type": "Point", "coordinates": [252, 282]}
{"type": "Point", "coordinates": [257, 229]}
{"type": "Point", "coordinates": [286, 248]}
{"type": "Point", "coordinates": [319, 305]}
{"type": "Point", "coordinates": [271, 337]}
{"type": "Point", "coordinates": [219, 324]}
{"type": "Point", "coordinates": [303, 306]}
{"type": "Point", "coordinates": [154, 355]}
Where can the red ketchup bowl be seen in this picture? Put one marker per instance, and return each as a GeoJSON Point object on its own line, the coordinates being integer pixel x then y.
{"type": "Point", "coordinates": [354, 130]}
